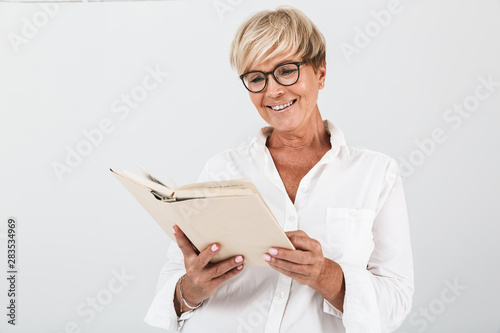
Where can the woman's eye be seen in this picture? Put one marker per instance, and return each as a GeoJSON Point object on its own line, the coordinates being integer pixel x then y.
{"type": "Point", "coordinates": [257, 79]}
{"type": "Point", "coordinates": [287, 72]}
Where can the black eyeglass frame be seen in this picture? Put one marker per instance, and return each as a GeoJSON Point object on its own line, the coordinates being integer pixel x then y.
{"type": "Point", "coordinates": [273, 72]}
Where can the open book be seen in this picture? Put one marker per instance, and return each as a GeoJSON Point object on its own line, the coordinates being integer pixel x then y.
{"type": "Point", "coordinates": [229, 212]}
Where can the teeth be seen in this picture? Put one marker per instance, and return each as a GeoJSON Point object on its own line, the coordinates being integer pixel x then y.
{"type": "Point", "coordinates": [281, 107]}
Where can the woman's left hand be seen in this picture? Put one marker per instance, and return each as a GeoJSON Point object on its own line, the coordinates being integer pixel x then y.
{"type": "Point", "coordinates": [304, 264]}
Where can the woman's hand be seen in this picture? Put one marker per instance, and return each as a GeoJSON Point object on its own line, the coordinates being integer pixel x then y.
{"type": "Point", "coordinates": [202, 278]}
{"type": "Point", "coordinates": [304, 265]}
{"type": "Point", "coordinates": [307, 265]}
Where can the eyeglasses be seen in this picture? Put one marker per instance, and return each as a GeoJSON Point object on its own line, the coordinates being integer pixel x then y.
{"type": "Point", "coordinates": [285, 74]}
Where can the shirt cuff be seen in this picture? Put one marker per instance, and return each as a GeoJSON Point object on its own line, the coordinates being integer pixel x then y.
{"type": "Point", "coordinates": [360, 302]}
{"type": "Point", "coordinates": [330, 309]}
{"type": "Point", "coordinates": [162, 313]}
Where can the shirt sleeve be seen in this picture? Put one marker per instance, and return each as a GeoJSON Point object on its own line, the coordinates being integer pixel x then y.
{"type": "Point", "coordinates": [378, 297]}
{"type": "Point", "coordinates": [162, 313]}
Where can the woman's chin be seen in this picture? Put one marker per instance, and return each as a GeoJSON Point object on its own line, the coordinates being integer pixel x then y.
{"type": "Point", "coordinates": [284, 124]}
{"type": "Point", "coordinates": [285, 120]}
{"type": "Point", "coordinates": [281, 117]}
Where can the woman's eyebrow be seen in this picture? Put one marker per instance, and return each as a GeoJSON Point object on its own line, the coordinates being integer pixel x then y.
{"type": "Point", "coordinates": [279, 64]}
{"type": "Point", "coordinates": [285, 62]}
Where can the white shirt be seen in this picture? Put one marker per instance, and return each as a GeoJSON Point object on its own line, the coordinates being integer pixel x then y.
{"type": "Point", "coordinates": [352, 202]}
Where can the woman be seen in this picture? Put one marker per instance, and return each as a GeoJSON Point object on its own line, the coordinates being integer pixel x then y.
{"type": "Point", "coordinates": [343, 209]}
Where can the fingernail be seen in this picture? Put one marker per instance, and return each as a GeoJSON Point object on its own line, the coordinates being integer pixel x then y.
{"type": "Point", "coordinates": [267, 257]}
{"type": "Point", "coordinates": [273, 251]}
{"type": "Point", "coordinates": [214, 247]}
{"type": "Point", "coordinates": [173, 230]}
{"type": "Point", "coordinates": [240, 267]}
{"type": "Point", "coordinates": [238, 259]}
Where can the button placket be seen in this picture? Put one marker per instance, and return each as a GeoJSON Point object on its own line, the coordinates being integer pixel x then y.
{"type": "Point", "coordinates": [291, 222]}
{"type": "Point", "coordinates": [282, 291]}
{"type": "Point", "coordinates": [291, 217]}
{"type": "Point", "coordinates": [278, 305]}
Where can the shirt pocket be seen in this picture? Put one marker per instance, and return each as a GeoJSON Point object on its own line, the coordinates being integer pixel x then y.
{"type": "Point", "coordinates": [348, 234]}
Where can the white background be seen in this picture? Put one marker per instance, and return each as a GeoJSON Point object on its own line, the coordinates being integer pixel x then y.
{"type": "Point", "coordinates": [67, 72]}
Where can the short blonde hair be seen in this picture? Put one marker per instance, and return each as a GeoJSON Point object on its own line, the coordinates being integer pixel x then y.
{"type": "Point", "coordinates": [284, 31]}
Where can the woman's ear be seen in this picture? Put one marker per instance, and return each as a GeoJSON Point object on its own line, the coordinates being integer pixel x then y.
{"type": "Point", "coordinates": [321, 75]}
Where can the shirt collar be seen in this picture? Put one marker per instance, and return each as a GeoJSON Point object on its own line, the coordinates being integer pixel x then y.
{"type": "Point", "coordinates": [337, 139]}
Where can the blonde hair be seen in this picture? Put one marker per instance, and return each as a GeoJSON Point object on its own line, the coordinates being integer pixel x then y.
{"type": "Point", "coordinates": [285, 31]}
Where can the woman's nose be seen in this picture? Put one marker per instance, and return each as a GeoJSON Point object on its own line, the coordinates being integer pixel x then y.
{"type": "Point", "coordinates": [273, 87]}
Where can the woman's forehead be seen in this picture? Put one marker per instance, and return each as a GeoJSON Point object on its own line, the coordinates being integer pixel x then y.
{"type": "Point", "coordinates": [269, 63]}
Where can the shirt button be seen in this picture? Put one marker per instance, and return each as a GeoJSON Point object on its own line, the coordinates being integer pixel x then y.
{"type": "Point", "coordinates": [353, 213]}
{"type": "Point", "coordinates": [280, 293]}
{"type": "Point", "coordinates": [291, 218]}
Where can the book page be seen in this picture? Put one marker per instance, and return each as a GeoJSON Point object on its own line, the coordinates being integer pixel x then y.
{"type": "Point", "coordinates": [211, 193]}
{"type": "Point", "coordinates": [148, 175]}
{"type": "Point", "coordinates": [242, 225]}
{"type": "Point", "coordinates": [161, 189]}
{"type": "Point", "coordinates": [232, 187]}
{"type": "Point", "coordinates": [219, 184]}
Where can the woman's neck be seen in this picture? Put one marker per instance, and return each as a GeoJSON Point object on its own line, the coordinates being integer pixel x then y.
{"type": "Point", "coordinates": [312, 137]}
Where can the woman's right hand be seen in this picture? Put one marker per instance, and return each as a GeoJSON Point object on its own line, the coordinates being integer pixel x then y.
{"type": "Point", "coordinates": [203, 278]}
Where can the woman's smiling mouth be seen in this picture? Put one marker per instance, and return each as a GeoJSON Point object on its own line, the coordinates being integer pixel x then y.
{"type": "Point", "coordinates": [282, 106]}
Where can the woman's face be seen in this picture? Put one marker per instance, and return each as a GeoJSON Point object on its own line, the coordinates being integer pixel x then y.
{"type": "Point", "coordinates": [303, 95]}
